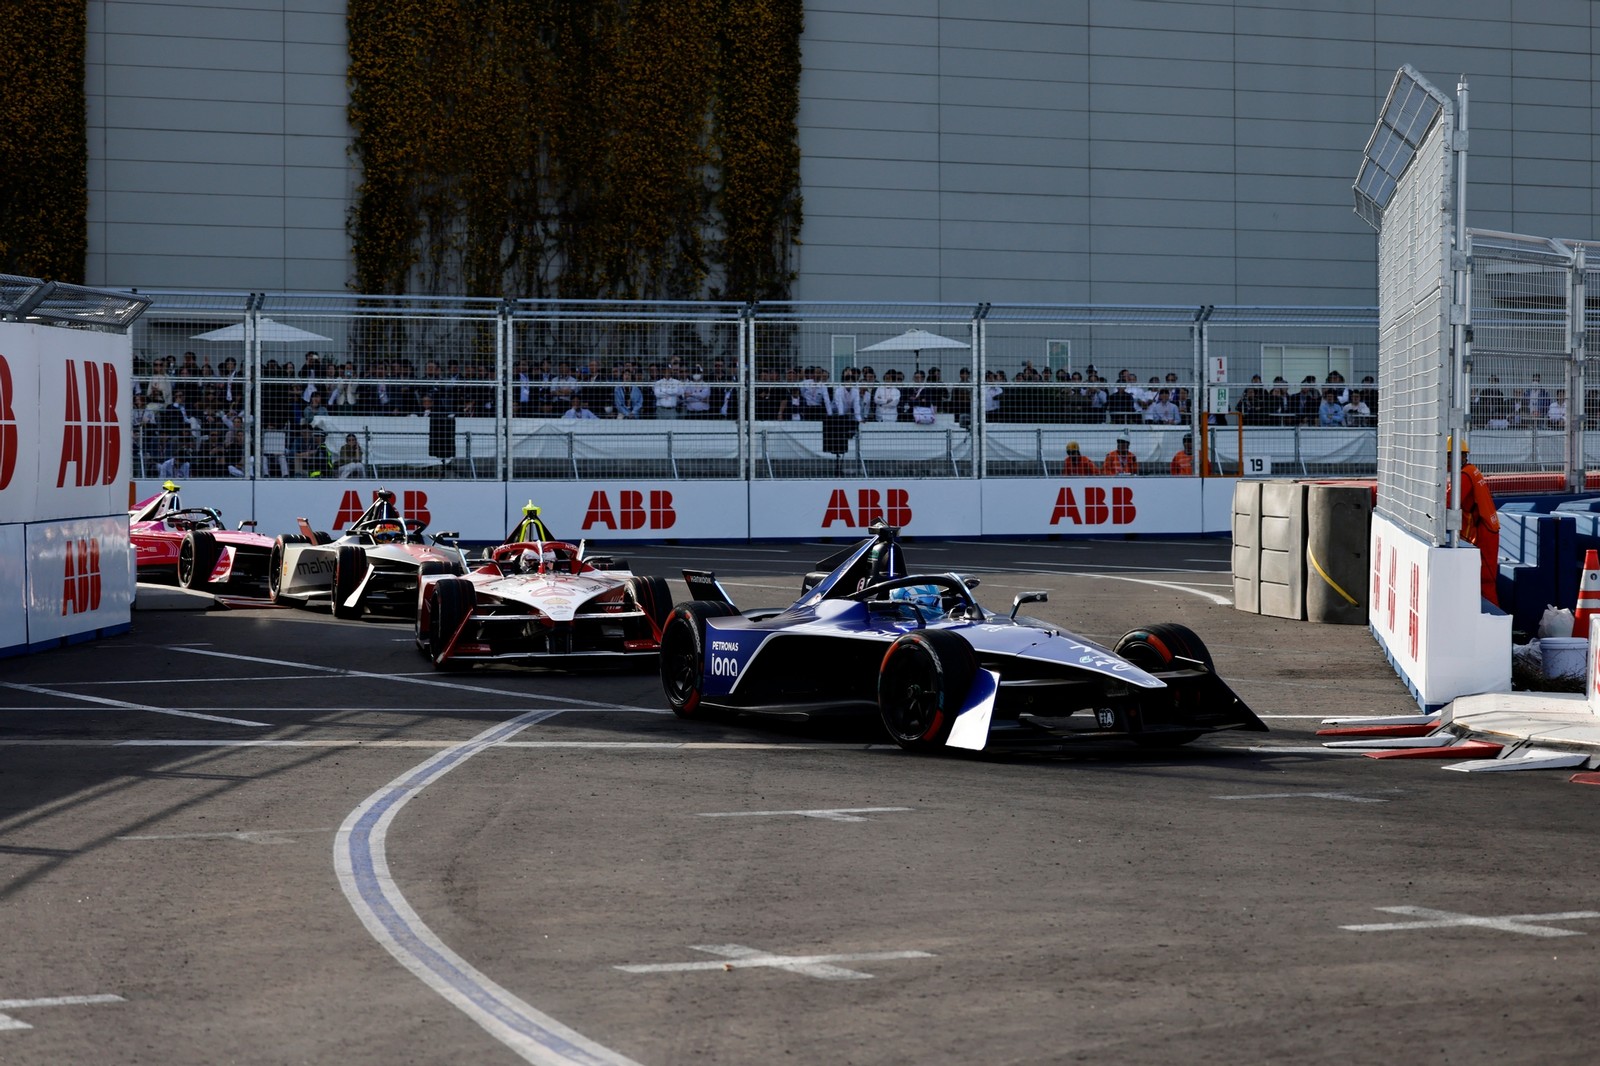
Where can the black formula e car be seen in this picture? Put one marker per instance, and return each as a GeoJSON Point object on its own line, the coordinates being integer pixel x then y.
{"type": "Point", "coordinates": [867, 636]}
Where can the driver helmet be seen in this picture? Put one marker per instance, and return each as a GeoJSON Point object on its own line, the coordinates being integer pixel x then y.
{"type": "Point", "coordinates": [388, 532]}
{"type": "Point", "coordinates": [530, 559]}
{"type": "Point", "coordinates": [923, 596]}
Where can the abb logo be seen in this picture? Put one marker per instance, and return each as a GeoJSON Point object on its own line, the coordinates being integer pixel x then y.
{"type": "Point", "coordinates": [8, 426]}
{"type": "Point", "coordinates": [1095, 509]}
{"type": "Point", "coordinates": [891, 505]}
{"type": "Point", "coordinates": [632, 511]}
{"type": "Point", "coordinates": [91, 435]}
{"type": "Point", "coordinates": [413, 504]}
{"type": "Point", "coordinates": [80, 581]}
{"type": "Point", "coordinates": [1414, 615]}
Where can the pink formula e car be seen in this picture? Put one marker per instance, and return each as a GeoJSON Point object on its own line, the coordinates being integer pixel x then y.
{"type": "Point", "coordinates": [193, 546]}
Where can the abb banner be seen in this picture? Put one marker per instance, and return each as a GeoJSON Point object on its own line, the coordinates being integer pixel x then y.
{"type": "Point", "coordinates": [715, 510]}
{"type": "Point", "coordinates": [64, 467]}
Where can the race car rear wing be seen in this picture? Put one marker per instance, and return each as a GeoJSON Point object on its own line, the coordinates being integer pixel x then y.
{"type": "Point", "coordinates": [703, 585]}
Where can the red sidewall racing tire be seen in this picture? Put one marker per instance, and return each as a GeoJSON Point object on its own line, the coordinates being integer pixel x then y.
{"type": "Point", "coordinates": [923, 680]}
{"type": "Point", "coordinates": [683, 653]}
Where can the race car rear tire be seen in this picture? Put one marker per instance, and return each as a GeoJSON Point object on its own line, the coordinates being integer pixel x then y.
{"type": "Point", "coordinates": [453, 599]}
{"type": "Point", "coordinates": [653, 598]}
{"type": "Point", "coordinates": [1155, 648]}
{"type": "Point", "coordinates": [683, 653]}
{"type": "Point", "coordinates": [197, 557]}
{"type": "Point", "coordinates": [275, 565]}
{"type": "Point", "coordinates": [322, 537]}
{"type": "Point", "coordinates": [812, 580]}
{"type": "Point", "coordinates": [348, 569]}
{"type": "Point", "coordinates": [924, 677]}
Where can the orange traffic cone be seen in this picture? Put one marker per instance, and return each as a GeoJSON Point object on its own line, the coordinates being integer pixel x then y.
{"type": "Point", "coordinates": [1588, 594]}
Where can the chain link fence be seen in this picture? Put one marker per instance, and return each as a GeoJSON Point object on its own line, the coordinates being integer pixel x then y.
{"type": "Point", "coordinates": [286, 385]}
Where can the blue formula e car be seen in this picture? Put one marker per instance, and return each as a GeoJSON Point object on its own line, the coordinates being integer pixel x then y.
{"type": "Point", "coordinates": [867, 636]}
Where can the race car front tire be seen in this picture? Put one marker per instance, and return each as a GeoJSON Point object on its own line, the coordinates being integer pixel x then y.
{"type": "Point", "coordinates": [922, 681]}
{"type": "Point", "coordinates": [683, 653]}
{"type": "Point", "coordinates": [348, 569]}
{"type": "Point", "coordinates": [197, 557]}
{"type": "Point", "coordinates": [1157, 647]}
{"type": "Point", "coordinates": [275, 563]}
{"type": "Point", "coordinates": [452, 601]}
{"type": "Point", "coordinates": [654, 598]}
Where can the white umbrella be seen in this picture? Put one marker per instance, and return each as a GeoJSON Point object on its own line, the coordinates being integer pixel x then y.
{"type": "Point", "coordinates": [916, 341]}
{"type": "Point", "coordinates": [267, 331]}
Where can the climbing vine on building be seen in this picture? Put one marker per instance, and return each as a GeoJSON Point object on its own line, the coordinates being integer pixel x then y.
{"type": "Point", "coordinates": [631, 149]}
{"type": "Point", "coordinates": [44, 151]}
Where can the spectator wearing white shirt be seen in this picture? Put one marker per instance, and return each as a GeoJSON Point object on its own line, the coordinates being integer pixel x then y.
{"type": "Point", "coordinates": [1162, 411]}
{"type": "Point", "coordinates": [668, 390]}
{"type": "Point", "coordinates": [576, 408]}
{"type": "Point", "coordinates": [886, 399]}
{"type": "Point", "coordinates": [697, 395]}
{"type": "Point", "coordinates": [1556, 413]}
{"type": "Point", "coordinates": [845, 398]}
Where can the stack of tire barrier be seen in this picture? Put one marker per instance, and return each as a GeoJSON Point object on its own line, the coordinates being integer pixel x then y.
{"type": "Point", "coordinates": [1300, 549]}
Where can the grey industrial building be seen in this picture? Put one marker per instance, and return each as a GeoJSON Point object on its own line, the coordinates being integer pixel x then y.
{"type": "Point", "coordinates": [1059, 151]}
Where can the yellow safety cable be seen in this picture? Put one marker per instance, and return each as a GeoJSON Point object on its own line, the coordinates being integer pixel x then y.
{"type": "Point", "coordinates": [1331, 582]}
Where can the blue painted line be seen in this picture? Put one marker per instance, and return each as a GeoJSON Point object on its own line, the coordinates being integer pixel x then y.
{"type": "Point", "coordinates": [381, 906]}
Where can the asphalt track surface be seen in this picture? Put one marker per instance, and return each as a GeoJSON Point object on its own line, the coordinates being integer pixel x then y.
{"type": "Point", "coordinates": [268, 836]}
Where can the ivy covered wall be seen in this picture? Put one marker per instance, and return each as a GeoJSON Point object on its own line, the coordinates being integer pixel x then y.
{"type": "Point", "coordinates": [630, 149]}
{"type": "Point", "coordinates": [44, 199]}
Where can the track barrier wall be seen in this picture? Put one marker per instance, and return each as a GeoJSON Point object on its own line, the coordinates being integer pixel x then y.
{"type": "Point", "coordinates": [64, 463]}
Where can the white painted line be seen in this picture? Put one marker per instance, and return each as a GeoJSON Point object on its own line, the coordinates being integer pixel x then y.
{"type": "Point", "coordinates": [122, 705]}
{"type": "Point", "coordinates": [1221, 601]}
{"type": "Point", "coordinates": [435, 745]}
{"type": "Point", "coordinates": [1286, 749]}
{"type": "Point", "coordinates": [249, 836]}
{"type": "Point", "coordinates": [1390, 719]}
{"type": "Point", "coordinates": [199, 680]}
{"type": "Point", "coordinates": [8, 1022]}
{"type": "Point", "coordinates": [833, 814]}
{"type": "Point", "coordinates": [1345, 797]}
{"type": "Point", "coordinates": [427, 681]}
{"type": "Point", "coordinates": [1510, 923]}
{"type": "Point", "coordinates": [1382, 744]}
{"type": "Point", "coordinates": [360, 858]}
{"type": "Point", "coordinates": [739, 957]}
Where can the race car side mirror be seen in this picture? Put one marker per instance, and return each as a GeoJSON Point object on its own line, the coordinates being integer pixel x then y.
{"type": "Point", "coordinates": [1037, 596]}
{"type": "Point", "coordinates": [251, 522]}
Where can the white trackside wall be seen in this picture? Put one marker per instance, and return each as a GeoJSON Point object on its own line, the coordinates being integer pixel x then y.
{"type": "Point", "coordinates": [1425, 611]}
{"type": "Point", "coordinates": [65, 564]}
{"type": "Point", "coordinates": [608, 512]}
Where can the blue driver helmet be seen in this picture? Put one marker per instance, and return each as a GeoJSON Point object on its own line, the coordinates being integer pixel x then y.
{"type": "Point", "coordinates": [924, 596]}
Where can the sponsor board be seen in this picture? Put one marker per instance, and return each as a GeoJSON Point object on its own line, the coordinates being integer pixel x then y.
{"type": "Point", "coordinates": [13, 587]}
{"type": "Point", "coordinates": [1101, 506]}
{"type": "Point", "coordinates": [79, 581]}
{"type": "Point", "coordinates": [735, 510]}
{"type": "Point", "coordinates": [920, 507]}
{"type": "Point", "coordinates": [64, 409]}
{"type": "Point", "coordinates": [1426, 612]}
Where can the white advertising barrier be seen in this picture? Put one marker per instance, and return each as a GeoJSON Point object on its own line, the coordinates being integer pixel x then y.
{"type": "Point", "coordinates": [64, 403]}
{"type": "Point", "coordinates": [13, 587]}
{"type": "Point", "coordinates": [486, 511]}
{"type": "Point", "coordinates": [1426, 613]}
{"type": "Point", "coordinates": [1094, 506]}
{"type": "Point", "coordinates": [608, 511]}
{"type": "Point", "coordinates": [927, 508]}
{"type": "Point", "coordinates": [735, 510]}
{"type": "Point", "coordinates": [79, 584]}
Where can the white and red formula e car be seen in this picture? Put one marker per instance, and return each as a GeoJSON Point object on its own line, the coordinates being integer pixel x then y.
{"type": "Point", "coordinates": [541, 600]}
{"type": "Point", "coordinates": [375, 565]}
{"type": "Point", "coordinates": [193, 545]}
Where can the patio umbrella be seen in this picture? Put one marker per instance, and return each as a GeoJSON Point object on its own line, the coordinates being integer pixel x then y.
{"type": "Point", "coordinates": [268, 331]}
{"type": "Point", "coordinates": [916, 341]}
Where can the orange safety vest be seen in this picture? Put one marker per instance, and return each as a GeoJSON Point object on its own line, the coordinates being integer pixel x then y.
{"type": "Point", "coordinates": [1182, 464]}
{"type": "Point", "coordinates": [1078, 466]}
{"type": "Point", "coordinates": [1120, 463]}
